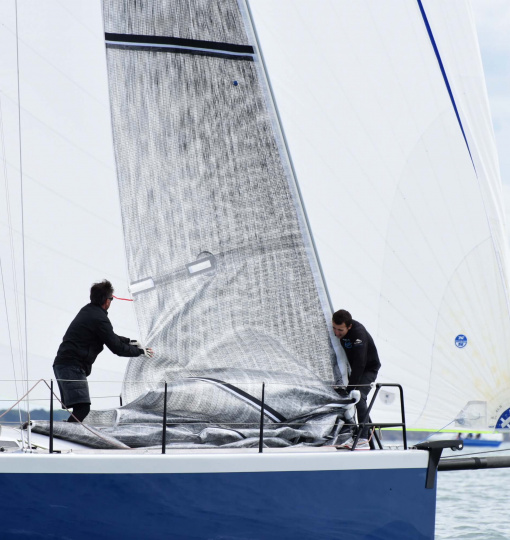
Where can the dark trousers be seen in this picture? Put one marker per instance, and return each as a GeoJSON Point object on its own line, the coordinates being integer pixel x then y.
{"type": "Point", "coordinates": [362, 406]}
{"type": "Point", "coordinates": [80, 411]}
{"type": "Point", "coordinates": [74, 390]}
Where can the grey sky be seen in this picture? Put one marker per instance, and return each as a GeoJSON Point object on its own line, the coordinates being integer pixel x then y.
{"type": "Point", "coordinates": [493, 25]}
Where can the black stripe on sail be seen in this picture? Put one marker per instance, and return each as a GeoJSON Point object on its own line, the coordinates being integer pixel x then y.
{"type": "Point", "coordinates": [268, 411]}
{"type": "Point", "coordinates": [170, 49]}
{"type": "Point", "coordinates": [166, 42]}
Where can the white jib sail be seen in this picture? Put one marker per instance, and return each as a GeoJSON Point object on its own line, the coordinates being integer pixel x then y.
{"type": "Point", "coordinates": [403, 192]}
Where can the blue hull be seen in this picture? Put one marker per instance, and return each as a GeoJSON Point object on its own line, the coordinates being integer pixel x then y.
{"type": "Point", "coordinates": [387, 504]}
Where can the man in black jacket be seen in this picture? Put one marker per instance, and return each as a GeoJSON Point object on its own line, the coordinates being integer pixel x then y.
{"type": "Point", "coordinates": [363, 359]}
{"type": "Point", "coordinates": [84, 340]}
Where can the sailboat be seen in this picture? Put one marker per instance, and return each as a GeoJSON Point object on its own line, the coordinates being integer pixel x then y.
{"type": "Point", "coordinates": [490, 439]}
{"type": "Point", "coordinates": [274, 161]}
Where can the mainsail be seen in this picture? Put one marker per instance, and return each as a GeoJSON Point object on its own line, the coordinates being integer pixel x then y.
{"type": "Point", "coordinates": [223, 271]}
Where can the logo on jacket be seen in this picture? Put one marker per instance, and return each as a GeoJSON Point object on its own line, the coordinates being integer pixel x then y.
{"type": "Point", "coordinates": [358, 342]}
{"type": "Point", "coordinates": [461, 341]}
{"type": "Point", "coordinates": [347, 343]}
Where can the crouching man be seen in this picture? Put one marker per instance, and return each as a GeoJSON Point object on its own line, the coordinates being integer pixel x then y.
{"type": "Point", "coordinates": [364, 361]}
{"type": "Point", "coordinates": [84, 340]}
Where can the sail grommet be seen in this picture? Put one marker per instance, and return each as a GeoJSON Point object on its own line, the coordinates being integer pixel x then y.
{"type": "Point", "coordinates": [235, 83]}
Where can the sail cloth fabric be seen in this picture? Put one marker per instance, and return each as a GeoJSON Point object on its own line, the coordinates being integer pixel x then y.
{"type": "Point", "coordinates": [226, 287]}
{"type": "Point", "coordinates": [380, 156]}
{"type": "Point", "coordinates": [201, 179]}
{"type": "Point", "coordinates": [309, 414]}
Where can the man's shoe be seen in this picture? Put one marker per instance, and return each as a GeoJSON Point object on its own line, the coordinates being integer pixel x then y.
{"type": "Point", "coordinates": [362, 444]}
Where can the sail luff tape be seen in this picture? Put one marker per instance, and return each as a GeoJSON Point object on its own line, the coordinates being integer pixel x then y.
{"type": "Point", "coordinates": [141, 286]}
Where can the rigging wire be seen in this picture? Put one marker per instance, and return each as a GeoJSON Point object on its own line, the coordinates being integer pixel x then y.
{"type": "Point", "coordinates": [435, 432]}
{"type": "Point", "coordinates": [13, 260]}
{"type": "Point", "coordinates": [62, 136]}
{"type": "Point", "coordinates": [22, 217]}
{"type": "Point", "coordinates": [10, 340]}
{"type": "Point", "coordinates": [13, 253]}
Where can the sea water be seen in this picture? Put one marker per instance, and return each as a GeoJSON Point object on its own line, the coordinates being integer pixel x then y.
{"type": "Point", "coordinates": [474, 504]}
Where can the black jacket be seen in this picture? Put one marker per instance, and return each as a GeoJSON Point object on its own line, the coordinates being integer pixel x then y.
{"type": "Point", "coordinates": [361, 353]}
{"type": "Point", "coordinates": [85, 337]}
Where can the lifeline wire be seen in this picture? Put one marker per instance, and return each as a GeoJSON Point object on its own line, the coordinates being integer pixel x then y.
{"type": "Point", "coordinates": [63, 406]}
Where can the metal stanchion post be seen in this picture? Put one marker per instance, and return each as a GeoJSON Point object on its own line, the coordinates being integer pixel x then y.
{"type": "Point", "coordinates": [51, 416]}
{"type": "Point", "coordinates": [261, 434]}
{"type": "Point", "coordinates": [163, 450]}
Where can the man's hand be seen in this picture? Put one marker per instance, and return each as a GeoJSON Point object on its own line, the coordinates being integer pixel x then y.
{"type": "Point", "coordinates": [341, 391]}
{"type": "Point", "coordinates": [149, 353]}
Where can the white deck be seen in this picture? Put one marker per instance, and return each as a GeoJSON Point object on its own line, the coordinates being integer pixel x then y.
{"type": "Point", "coordinates": [77, 459]}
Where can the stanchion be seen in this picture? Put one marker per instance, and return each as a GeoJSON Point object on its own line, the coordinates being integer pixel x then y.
{"type": "Point", "coordinates": [163, 449]}
{"type": "Point", "coordinates": [261, 434]}
{"type": "Point", "coordinates": [51, 416]}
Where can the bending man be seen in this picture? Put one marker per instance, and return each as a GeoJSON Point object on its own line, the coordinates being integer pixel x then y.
{"type": "Point", "coordinates": [84, 340]}
{"type": "Point", "coordinates": [362, 355]}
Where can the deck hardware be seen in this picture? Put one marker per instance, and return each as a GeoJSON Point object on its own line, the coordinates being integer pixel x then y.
{"type": "Point", "coordinates": [368, 423]}
{"type": "Point", "coordinates": [435, 449]}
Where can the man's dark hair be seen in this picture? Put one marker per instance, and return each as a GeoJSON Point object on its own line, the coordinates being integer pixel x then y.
{"type": "Point", "coordinates": [100, 292]}
{"type": "Point", "coordinates": [342, 316]}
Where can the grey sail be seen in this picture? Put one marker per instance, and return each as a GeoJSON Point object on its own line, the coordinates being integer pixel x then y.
{"type": "Point", "coordinates": [226, 285]}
